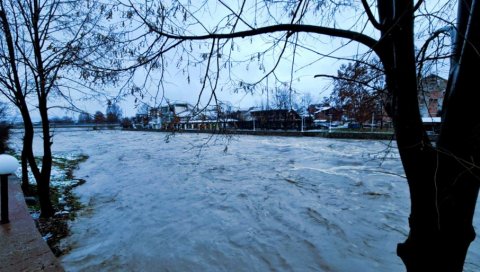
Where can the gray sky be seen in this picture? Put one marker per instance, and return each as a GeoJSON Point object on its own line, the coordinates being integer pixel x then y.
{"type": "Point", "coordinates": [307, 62]}
{"type": "Point", "coordinates": [300, 75]}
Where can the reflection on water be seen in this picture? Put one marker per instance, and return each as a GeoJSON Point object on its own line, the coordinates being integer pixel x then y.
{"type": "Point", "coordinates": [262, 204]}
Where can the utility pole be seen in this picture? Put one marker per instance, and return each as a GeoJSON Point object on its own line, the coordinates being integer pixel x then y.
{"type": "Point", "coordinates": [373, 120]}
{"type": "Point", "coordinates": [268, 103]}
{"type": "Point", "coordinates": [330, 125]}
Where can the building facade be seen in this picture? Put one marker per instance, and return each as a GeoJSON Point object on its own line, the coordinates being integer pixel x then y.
{"type": "Point", "coordinates": [431, 94]}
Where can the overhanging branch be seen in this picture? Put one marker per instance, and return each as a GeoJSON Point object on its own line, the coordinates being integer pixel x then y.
{"type": "Point", "coordinates": [291, 28]}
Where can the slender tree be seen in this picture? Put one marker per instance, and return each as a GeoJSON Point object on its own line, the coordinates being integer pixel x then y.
{"type": "Point", "coordinates": [41, 43]}
{"type": "Point", "coordinates": [16, 92]}
{"type": "Point", "coordinates": [443, 178]}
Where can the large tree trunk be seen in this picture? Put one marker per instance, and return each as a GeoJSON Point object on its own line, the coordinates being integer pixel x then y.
{"type": "Point", "coordinates": [443, 180]}
{"type": "Point", "coordinates": [42, 94]}
{"type": "Point", "coordinates": [44, 184]}
{"type": "Point", "coordinates": [458, 175]}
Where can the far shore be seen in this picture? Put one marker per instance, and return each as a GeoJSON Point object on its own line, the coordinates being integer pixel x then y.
{"type": "Point", "coordinates": [336, 133]}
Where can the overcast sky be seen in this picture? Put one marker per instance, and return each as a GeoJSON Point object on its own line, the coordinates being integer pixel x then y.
{"type": "Point", "coordinates": [300, 74]}
{"type": "Point", "coordinates": [307, 63]}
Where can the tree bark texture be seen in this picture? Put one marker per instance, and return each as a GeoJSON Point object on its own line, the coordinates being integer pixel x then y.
{"type": "Point", "coordinates": [24, 163]}
{"type": "Point", "coordinates": [443, 180]}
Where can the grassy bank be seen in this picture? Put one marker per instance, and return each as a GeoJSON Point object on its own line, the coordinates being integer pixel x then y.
{"type": "Point", "coordinates": [65, 203]}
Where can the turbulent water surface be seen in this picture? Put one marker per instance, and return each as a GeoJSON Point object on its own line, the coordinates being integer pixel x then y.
{"type": "Point", "coordinates": [194, 203]}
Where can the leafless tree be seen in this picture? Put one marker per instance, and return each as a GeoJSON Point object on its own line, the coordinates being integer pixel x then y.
{"type": "Point", "coordinates": [282, 98]}
{"type": "Point", "coordinates": [44, 45]}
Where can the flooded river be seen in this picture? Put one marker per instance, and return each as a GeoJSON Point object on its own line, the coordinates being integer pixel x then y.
{"type": "Point", "coordinates": [189, 202]}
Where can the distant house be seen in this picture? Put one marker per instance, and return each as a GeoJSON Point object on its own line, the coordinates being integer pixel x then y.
{"type": "Point", "coordinates": [245, 114]}
{"type": "Point", "coordinates": [431, 94]}
{"type": "Point", "coordinates": [173, 114]}
{"type": "Point", "coordinates": [242, 118]}
{"type": "Point", "coordinates": [154, 118]}
{"type": "Point", "coordinates": [276, 119]}
{"type": "Point", "coordinates": [241, 115]}
{"type": "Point", "coordinates": [325, 113]}
{"type": "Point", "coordinates": [212, 117]}
{"type": "Point", "coordinates": [140, 120]}
{"type": "Point", "coordinates": [211, 112]}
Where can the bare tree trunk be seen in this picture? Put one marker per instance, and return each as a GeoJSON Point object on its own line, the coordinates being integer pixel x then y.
{"type": "Point", "coordinates": [458, 176]}
{"type": "Point", "coordinates": [24, 161]}
{"type": "Point", "coordinates": [443, 182]}
{"type": "Point", "coordinates": [44, 184]}
{"type": "Point", "coordinates": [42, 94]}
{"type": "Point", "coordinates": [415, 150]}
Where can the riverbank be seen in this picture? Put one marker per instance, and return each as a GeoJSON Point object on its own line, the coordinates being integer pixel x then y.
{"type": "Point", "coordinates": [64, 201]}
{"type": "Point", "coordinates": [334, 134]}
